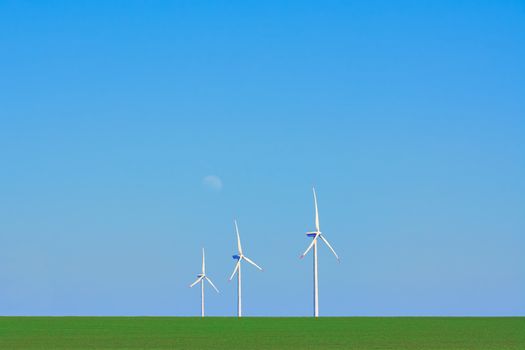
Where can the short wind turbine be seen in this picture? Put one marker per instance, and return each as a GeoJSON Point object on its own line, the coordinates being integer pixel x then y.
{"type": "Point", "coordinates": [200, 279]}
{"type": "Point", "coordinates": [316, 235]}
{"type": "Point", "coordinates": [240, 257]}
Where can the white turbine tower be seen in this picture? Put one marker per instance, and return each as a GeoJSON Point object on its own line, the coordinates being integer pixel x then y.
{"type": "Point", "coordinates": [200, 279]}
{"type": "Point", "coordinates": [316, 235]}
{"type": "Point", "coordinates": [239, 257]}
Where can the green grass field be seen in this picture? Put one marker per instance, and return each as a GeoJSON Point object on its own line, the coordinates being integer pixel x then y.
{"type": "Point", "coordinates": [261, 333]}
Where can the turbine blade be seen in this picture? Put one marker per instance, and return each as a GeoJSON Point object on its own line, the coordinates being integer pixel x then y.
{"type": "Point", "coordinates": [316, 211]}
{"type": "Point", "coordinates": [329, 246]}
{"type": "Point", "coordinates": [239, 247]}
{"type": "Point", "coordinates": [203, 263]}
{"type": "Point", "coordinates": [251, 262]}
{"type": "Point", "coordinates": [309, 247]}
{"type": "Point", "coordinates": [213, 285]}
{"type": "Point", "coordinates": [236, 268]}
{"type": "Point", "coordinates": [197, 281]}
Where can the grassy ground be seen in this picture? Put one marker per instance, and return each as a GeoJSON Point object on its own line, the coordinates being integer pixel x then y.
{"type": "Point", "coordinates": [261, 333]}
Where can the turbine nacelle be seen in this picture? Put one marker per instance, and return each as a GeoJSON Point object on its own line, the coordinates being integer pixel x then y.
{"type": "Point", "coordinates": [313, 234]}
{"type": "Point", "coordinates": [237, 257]}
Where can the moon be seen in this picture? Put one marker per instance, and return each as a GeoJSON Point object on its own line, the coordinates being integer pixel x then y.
{"type": "Point", "coordinates": [212, 182]}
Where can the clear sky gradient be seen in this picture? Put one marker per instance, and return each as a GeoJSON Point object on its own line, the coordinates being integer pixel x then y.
{"type": "Point", "coordinates": [132, 133]}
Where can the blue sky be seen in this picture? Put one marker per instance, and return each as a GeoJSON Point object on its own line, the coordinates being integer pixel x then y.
{"type": "Point", "coordinates": [409, 119]}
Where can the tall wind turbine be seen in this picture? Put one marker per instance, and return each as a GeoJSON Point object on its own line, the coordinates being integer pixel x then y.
{"type": "Point", "coordinates": [316, 235]}
{"type": "Point", "coordinates": [240, 257]}
{"type": "Point", "coordinates": [201, 277]}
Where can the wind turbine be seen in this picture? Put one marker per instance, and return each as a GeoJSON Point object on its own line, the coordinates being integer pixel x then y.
{"type": "Point", "coordinates": [200, 279]}
{"type": "Point", "coordinates": [317, 235]}
{"type": "Point", "coordinates": [239, 257]}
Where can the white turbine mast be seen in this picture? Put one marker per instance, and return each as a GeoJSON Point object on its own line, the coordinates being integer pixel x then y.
{"type": "Point", "coordinates": [317, 235]}
{"type": "Point", "coordinates": [201, 277]}
{"type": "Point", "coordinates": [240, 257]}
